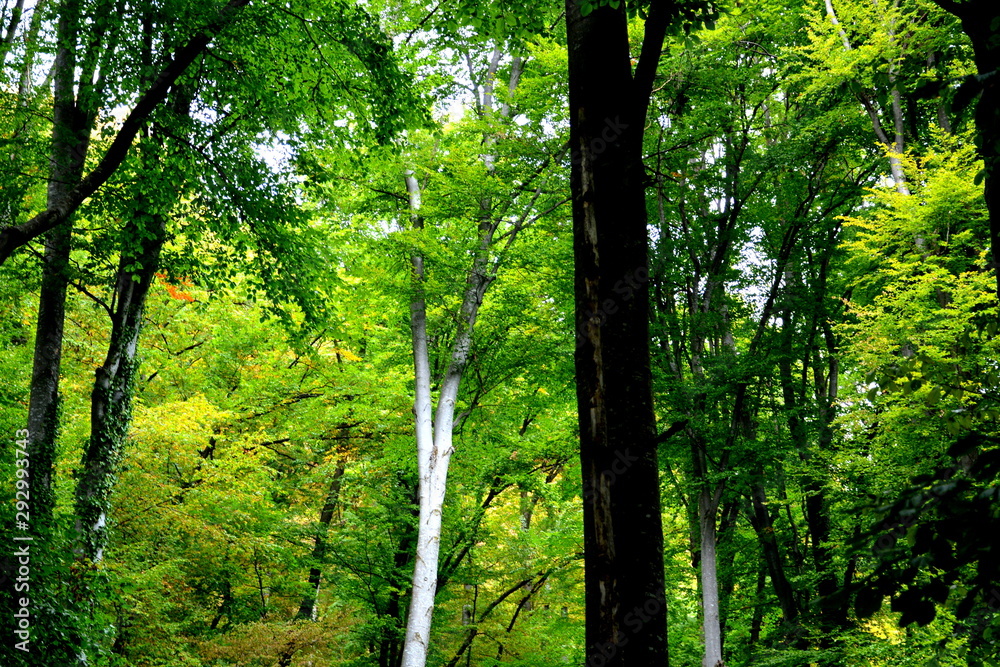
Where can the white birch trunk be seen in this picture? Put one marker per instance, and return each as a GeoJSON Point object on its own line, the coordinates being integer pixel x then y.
{"type": "Point", "coordinates": [707, 505]}
{"type": "Point", "coordinates": [434, 438]}
{"type": "Point", "coordinates": [429, 529]}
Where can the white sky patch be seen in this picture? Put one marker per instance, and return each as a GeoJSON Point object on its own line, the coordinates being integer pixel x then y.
{"type": "Point", "coordinates": [757, 270]}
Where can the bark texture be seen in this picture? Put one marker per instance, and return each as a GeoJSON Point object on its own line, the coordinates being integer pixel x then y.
{"type": "Point", "coordinates": [623, 540]}
{"type": "Point", "coordinates": [979, 21]}
{"type": "Point", "coordinates": [111, 399]}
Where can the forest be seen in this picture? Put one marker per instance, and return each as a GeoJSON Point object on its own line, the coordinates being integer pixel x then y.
{"type": "Point", "coordinates": [444, 333]}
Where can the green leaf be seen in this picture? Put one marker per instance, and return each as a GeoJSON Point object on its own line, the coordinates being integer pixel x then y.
{"type": "Point", "coordinates": [933, 397]}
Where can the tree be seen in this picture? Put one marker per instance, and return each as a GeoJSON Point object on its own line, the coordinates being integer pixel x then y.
{"type": "Point", "coordinates": [929, 406]}
{"type": "Point", "coordinates": [981, 22]}
{"type": "Point", "coordinates": [175, 158]}
{"type": "Point", "coordinates": [434, 434]}
{"type": "Point", "coordinates": [749, 179]}
{"type": "Point", "coordinates": [80, 91]}
{"type": "Point", "coordinates": [623, 539]}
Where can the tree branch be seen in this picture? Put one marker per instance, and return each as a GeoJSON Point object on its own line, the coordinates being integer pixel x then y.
{"type": "Point", "coordinates": [649, 56]}
{"type": "Point", "coordinates": [13, 237]}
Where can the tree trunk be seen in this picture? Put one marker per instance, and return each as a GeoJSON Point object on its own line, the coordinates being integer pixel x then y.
{"type": "Point", "coordinates": [307, 608]}
{"type": "Point", "coordinates": [626, 616]}
{"type": "Point", "coordinates": [434, 447]}
{"type": "Point", "coordinates": [708, 505]}
{"type": "Point", "coordinates": [428, 524]}
{"type": "Point", "coordinates": [390, 647]}
{"type": "Point", "coordinates": [979, 21]}
{"type": "Point", "coordinates": [763, 525]}
{"type": "Point", "coordinates": [865, 97]}
{"type": "Point", "coordinates": [70, 141]}
{"type": "Point", "coordinates": [111, 399]}
{"type": "Point", "coordinates": [43, 407]}
{"type": "Point", "coordinates": [817, 506]}
{"type": "Point", "coordinates": [8, 36]}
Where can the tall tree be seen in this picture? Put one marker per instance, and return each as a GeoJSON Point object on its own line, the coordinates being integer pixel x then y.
{"type": "Point", "coordinates": [981, 22]}
{"type": "Point", "coordinates": [435, 426]}
{"type": "Point", "coordinates": [623, 538]}
{"type": "Point", "coordinates": [81, 82]}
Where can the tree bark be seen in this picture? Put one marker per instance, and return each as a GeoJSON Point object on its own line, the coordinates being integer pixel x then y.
{"type": "Point", "coordinates": [70, 141]}
{"type": "Point", "coordinates": [12, 24]}
{"type": "Point", "coordinates": [979, 21]}
{"type": "Point", "coordinates": [429, 524]}
{"type": "Point", "coordinates": [307, 608]}
{"type": "Point", "coordinates": [111, 399]}
{"type": "Point", "coordinates": [43, 406]}
{"type": "Point", "coordinates": [390, 647]}
{"type": "Point", "coordinates": [708, 504]}
{"type": "Point", "coordinates": [626, 620]}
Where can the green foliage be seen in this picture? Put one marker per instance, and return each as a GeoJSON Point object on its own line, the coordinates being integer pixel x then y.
{"type": "Point", "coordinates": [272, 428]}
{"type": "Point", "coordinates": [922, 299]}
{"type": "Point", "coordinates": [920, 337]}
{"type": "Point", "coordinates": [929, 545]}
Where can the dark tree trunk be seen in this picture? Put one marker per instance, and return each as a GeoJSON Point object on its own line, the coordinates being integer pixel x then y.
{"type": "Point", "coordinates": [763, 525]}
{"type": "Point", "coordinates": [43, 409]}
{"type": "Point", "coordinates": [307, 608]}
{"type": "Point", "coordinates": [390, 646]}
{"type": "Point", "coordinates": [816, 511]}
{"type": "Point", "coordinates": [979, 21]}
{"type": "Point", "coordinates": [286, 654]}
{"type": "Point", "coordinates": [823, 358]}
{"type": "Point", "coordinates": [111, 399]}
{"type": "Point", "coordinates": [70, 140]}
{"type": "Point", "coordinates": [142, 239]}
{"type": "Point", "coordinates": [826, 384]}
{"type": "Point", "coordinates": [623, 539]}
